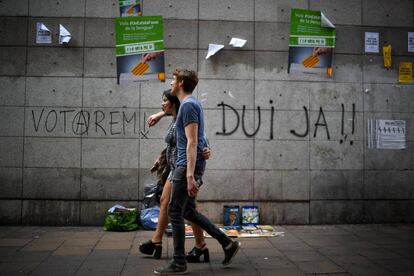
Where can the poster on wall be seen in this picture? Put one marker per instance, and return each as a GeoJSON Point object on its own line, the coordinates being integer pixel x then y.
{"type": "Point", "coordinates": [140, 48]}
{"type": "Point", "coordinates": [410, 42]}
{"type": "Point", "coordinates": [405, 72]}
{"type": "Point", "coordinates": [130, 8]}
{"type": "Point", "coordinates": [43, 34]}
{"type": "Point", "coordinates": [311, 43]}
{"type": "Point", "coordinates": [371, 42]}
{"type": "Point", "coordinates": [386, 134]}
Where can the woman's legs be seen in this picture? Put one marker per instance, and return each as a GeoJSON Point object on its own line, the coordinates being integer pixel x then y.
{"type": "Point", "coordinates": [163, 216]}
{"type": "Point", "coordinates": [198, 234]}
{"type": "Point", "coordinates": [163, 219]}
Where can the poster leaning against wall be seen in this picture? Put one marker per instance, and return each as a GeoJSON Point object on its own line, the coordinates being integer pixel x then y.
{"type": "Point", "coordinates": [140, 48]}
{"type": "Point", "coordinates": [311, 43]}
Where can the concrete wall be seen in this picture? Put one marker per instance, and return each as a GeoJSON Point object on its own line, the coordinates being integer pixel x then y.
{"type": "Point", "coordinates": [54, 171]}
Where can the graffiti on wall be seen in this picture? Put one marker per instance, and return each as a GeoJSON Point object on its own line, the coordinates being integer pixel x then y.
{"type": "Point", "coordinates": [321, 122]}
{"type": "Point", "coordinates": [125, 122]}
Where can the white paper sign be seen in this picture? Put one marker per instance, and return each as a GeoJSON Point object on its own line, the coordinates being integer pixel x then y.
{"type": "Point", "coordinates": [43, 34]}
{"type": "Point", "coordinates": [237, 42]}
{"type": "Point", "coordinates": [64, 35]}
{"type": "Point", "coordinates": [386, 134]}
{"type": "Point", "coordinates": [410, 41]}
{"type": "Point", "coordinates": [213, 49]}
{"type": "Point", "coordinates": [371, 42]}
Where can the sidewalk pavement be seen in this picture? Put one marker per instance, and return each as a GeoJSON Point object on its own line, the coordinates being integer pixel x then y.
{"type": "Point", "coordinates": [303, 250]}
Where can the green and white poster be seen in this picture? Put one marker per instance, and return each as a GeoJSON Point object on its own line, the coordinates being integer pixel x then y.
{"type": "Point", "coordinates": [311, 43]}
{"type": "Point", "coordinates": [140, 48]}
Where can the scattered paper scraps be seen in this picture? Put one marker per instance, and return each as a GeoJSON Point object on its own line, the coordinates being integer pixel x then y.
{"type": "Point", "coordinates": [64, 35]}
{"type": "Point", "coordinates": [213, 49]}
{"type": "Point", "coordinates": [237, 42]}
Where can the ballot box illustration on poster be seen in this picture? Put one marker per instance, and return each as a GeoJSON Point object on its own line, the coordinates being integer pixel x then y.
{"type": "Point", "coordinates": [130, 8]}
{"type": "Point", "coordinates": [140, 48]}
{"type": "Point", "coordinates": [311, 43]}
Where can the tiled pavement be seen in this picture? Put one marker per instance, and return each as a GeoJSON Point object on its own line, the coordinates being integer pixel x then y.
{"type": "Point", "coordinates": [304, 250]}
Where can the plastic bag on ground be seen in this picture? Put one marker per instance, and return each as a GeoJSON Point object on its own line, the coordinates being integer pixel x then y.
{"type": "Point", "coordinates": [120, 218]}
{"type": "Point", "coordinates": [149, 218]}
{"type": "Point", "coordinates": [152, 195]}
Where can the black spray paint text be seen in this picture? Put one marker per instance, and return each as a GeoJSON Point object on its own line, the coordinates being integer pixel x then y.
{"type": "Point", "coordinates": [320, 122]}
{"type": "Point", "coordinates": [81, 122]}
{"type": "Point", "coordinates": [107, 123]}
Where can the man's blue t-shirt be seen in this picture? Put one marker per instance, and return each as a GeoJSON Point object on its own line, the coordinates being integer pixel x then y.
{"type": "Point", "coordinates": [190, 112]}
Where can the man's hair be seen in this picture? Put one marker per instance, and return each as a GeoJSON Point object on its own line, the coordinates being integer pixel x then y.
{"type": "Point", "coordinates": [188, 77]}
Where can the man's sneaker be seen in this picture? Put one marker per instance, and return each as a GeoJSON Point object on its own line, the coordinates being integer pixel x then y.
{"type": "Point", "coordinates": [172, 269]}
{"type": "Point", "coordinates": [231, 252]}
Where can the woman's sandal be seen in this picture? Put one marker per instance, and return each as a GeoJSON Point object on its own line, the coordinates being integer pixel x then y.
{"type": "Point", "coordinates": [194, 255]}
{"type": "Point", "coordinates": [149, 247]}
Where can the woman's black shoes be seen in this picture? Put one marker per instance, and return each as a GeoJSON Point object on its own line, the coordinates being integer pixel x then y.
{"type": "Point", "coordinates": [194, 255]}
{"type": "Point", "coordinates": [155, 248]}
{"type": "Point", "coordinates": [149, 248]}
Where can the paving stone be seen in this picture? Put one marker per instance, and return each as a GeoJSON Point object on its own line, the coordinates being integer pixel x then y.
{"type": "Point", "coordinates": [42, 246]}
{"type": "Point", "coordinates": [21, 268]}
{"type": "Point", "coordinates": [99, 267]}
{"type": "Point", "coordinates": [358, 265]}
{"type": "Point", "coordinates": [261, 252]}
{"type": "Point", "coordinates": [59, 265]}
{"type": "Point", "coordinates": [303, 256]}
{"type": "Point", "coordinates": [294, 246]}
{"type": "Point", "coordinates": [73, 251]}
{"type": "Point", "coordinates": [99, 254]}
{"type": "Point", "coordinates": [8, 250]}
{"type": "Point", "coordinates": [27, 257]}
{"type": "Point", "coordinates": [397, 265]}
{"type": "Point", "coordinates": [14, 242]}
{"type": "Point", "coordinates": [318, 267]}
{"type": "Point", "coordinates": [113, 245]}
{"type": "Point", "coordinates": [272, 263]}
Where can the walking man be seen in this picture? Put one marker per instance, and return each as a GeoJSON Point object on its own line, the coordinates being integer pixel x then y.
{"type": "Point", "coordinates": [188, 174]}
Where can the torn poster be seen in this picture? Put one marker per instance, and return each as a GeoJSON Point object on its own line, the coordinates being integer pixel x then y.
{"type": "Point", "coordinates": [64, 35]}
{"type": "Point", "coordinates": [311, 43]}
{"type": "Point", "coordinates": [130, 8]}
{"type": "Point", "coordinates": [237, 42]}
{"type": "Point", "coordinates": [43, 34]}
{"type": "Point", "coordinates": [213, 49]}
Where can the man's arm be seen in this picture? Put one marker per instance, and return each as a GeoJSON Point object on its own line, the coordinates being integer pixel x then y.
{"type": "Point", "coordinates": [155, 118]}
{"type": "Point", "coordinates": [191, 132]}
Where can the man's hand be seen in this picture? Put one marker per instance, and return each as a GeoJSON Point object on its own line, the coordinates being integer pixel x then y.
{"type": "Point", "coordinates": [206, 153]}
{"type": "Point", "coordinates": [192, 188]}
{"type": "Point", "coordinates": [321, 51]}
{"type": "Point", "coordinates": [155, 118]}
{"type": "Point", "coordinates": [150, 56]}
